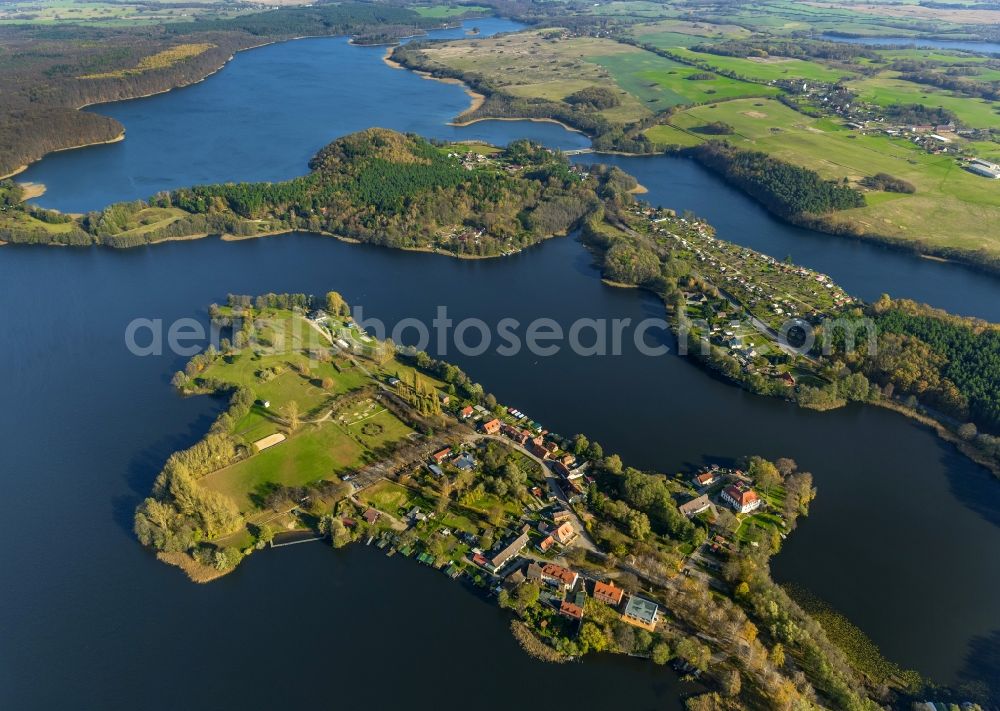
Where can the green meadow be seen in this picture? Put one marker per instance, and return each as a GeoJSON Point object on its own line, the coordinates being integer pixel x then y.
{"type": "Point", "coordinates": [950, 206]}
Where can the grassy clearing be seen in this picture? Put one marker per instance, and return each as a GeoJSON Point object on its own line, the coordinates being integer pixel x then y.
{"type": "Point", "coordinates": [160, 60]}
{"type": "Point", "coordinates": [949, 208]}
{"type": "Point", "coordinates": [24, 221]}
{"type": "Point", "coordinates": [314, 452]}
{"type": "Point", "coordinates": [889, 90]}
{"type": "Point", "coordinates": [390, 497]}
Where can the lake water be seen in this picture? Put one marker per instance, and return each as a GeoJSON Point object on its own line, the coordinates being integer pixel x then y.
{"type": "Point", "coordinates": [968, 45]}
{"type": "Point", "coordinates": [263, 117]}
{"type": "Point", "coordinates": [895, 540]}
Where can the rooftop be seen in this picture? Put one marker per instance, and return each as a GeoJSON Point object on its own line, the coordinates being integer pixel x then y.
{"type": "Point", "coordinates": [642, 609]}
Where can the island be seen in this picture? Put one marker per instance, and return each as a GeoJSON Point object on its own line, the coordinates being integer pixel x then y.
{"type": "Point", "coordinates": [331, 434]}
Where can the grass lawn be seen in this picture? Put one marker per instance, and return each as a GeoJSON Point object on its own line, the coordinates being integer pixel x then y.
{"type": "Point", "coordinates": [949, 208]}
{"type": "Point", "coordinates": [379, 429]}
{"type": "Point", "coordinates": [390, 497]}
{"type": "Point", "coordinates": [314, 452]}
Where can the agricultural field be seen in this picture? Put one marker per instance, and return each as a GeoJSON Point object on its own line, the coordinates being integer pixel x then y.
{"type": "Point", "coordinates": [543, 64]}
{"type": "Point", "coordinates": [661, 83]}
{"type": "Point", "coordinates": [787, 16]}
{"type": "Point", "coordinates": [765, 68]}
{"type": "Point", "coordinates": [446, 11]}
{"type": "Point", "coordinates": [110, 14]}
{"type": "Point", "coordinates": [538, 64]}
{"type": "Point", "coordinates": [888, 90]}
{"type": "Point", "coordinates": [679, 33]}
{"type": "Point", "coordinates": [950, 205]}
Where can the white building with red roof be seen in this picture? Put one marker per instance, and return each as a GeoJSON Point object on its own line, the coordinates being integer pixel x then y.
{"type": "Point", "coordinates": [741, 497]}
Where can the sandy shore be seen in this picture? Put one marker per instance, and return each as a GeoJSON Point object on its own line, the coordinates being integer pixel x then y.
{"type": "Point", "coordinates": [32, 190]}
{"type": "Point", "coordinates": [477, 99]}
{"type": "Point", "coordinates": [536, 120]}
{"type": "Point", "coordinates": [116, 139]}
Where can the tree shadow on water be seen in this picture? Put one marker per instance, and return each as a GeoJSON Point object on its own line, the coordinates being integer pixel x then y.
{"type": "Point", "coordinates": [147, 463]}
{"type": "Point", "coordinates": [974, 486]}
{"type": "Point", "coordinates": [980, 675]}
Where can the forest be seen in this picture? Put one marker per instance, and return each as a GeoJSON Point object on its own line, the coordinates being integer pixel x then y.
{"type": "Point", "coordinates": [931, 354]}
{"type": "Point", "coordinates": [783, 188]}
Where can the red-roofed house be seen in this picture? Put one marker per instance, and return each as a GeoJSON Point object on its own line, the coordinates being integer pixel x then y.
{"type": "Point", "coordinates": [546, 543]}
{"type": "Point", "coordinates": [559, 576]}
{"type": "Point", "coordinates": [571, 610]}
{"type": "Point", "coordinates": [609, 593]}
{"type": "Point", "coordinates": [741, 497]}
{"type": "Point", "coordinates": [466, 412]}
{"type": "Point", "coordinates": [705, 479]}
{"type": "Point", "coordinates": [491, 427]}
{"type": "Point", "coordinates": [441, 455]}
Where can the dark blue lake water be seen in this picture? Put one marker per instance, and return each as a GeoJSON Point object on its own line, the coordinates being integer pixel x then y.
{"type": "Point", "coordinates": [900, 538]}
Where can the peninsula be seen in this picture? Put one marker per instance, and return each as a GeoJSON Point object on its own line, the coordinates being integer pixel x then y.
{"type": "Point", "coordinates": [376, 186]}
{"type": "Point", "coordinates": [332, 434]}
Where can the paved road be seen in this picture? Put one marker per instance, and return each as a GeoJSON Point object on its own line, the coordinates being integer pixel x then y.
{"type": "Point", "coordinates": [583, 540]}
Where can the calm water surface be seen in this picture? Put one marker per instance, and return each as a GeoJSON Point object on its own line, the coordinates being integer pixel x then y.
{"type": "Point", "coordinates": [264, 116]}
{"type": "Point", "coordinates": [969, 45]}
{"type": "Point", "coordinates": [896, 539]}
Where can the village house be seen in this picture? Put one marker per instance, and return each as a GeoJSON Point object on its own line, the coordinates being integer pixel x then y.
{"type": "Point", "coordinates": [533, 572]}
{"type": "Point", "coordinates": [512, 549]}
{"type": "Point", "coordinates": [546, 543]}
{"type": "Point", "coordinates": [640, 612]}
{"type": "Point", "coordinates": [558, 576]}
{"type": "Point", "coordinates": [371, 516]}
{"type": "Point", "coordinates": [705, 479]}
{"type": "Point", "coordinates": [492, 427]}
{"type": "Point", "coordinates": [564, 533]}
{"type": "Point", "coordinates": [440, 455]}
{"type": "Point", "coordinates": [608, 593]}
{"type": "Point", "coordinates": [465, 462]}
{"type": "Point", "coordinates": [695, 506]}
{"type": "Point", "coordinates": [571, 610]}
{"type": "Point", "coordinates": [466, 412]}
{"type": "Point", "coordinates": [741, 497]}
{"type": "Point", "coordinates": [560, 515]}
{"type": "Point", "coordinates": [514, 433]}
